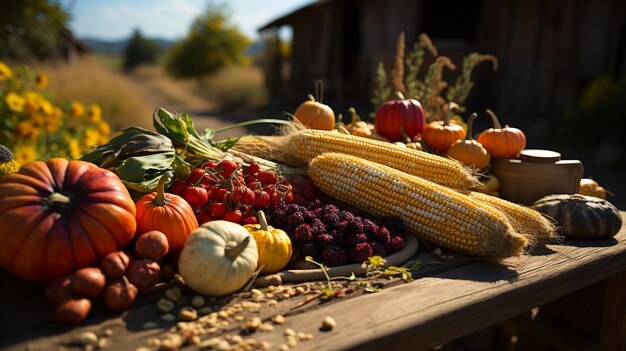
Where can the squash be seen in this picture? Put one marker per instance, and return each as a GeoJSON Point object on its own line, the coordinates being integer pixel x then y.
{"type": "Point", "coordinates": [469, 151]}
{"type": "Point", "coordinates": [590, 187]}
{"type": "Point", "coordinates": [167, 213]}
{"type": "Point", "coordinates": [580, 216]}
{"type": "Point", "coordinates": [440, 135]}
{"type": "Point", "coordinates": [395, 115]}
{"type": "Point", "coordinates": [357, 126]}
{"type": "Point", "coordinates": [58, 216]}
{"type": "Point", "coordinates": [314, 114]}
{"type": "Point", "coordinates": [273, 244]}
{"type": "Point", "coordinates": [501, 142]}
{"type": "Point", "coordinates": [218, 258]}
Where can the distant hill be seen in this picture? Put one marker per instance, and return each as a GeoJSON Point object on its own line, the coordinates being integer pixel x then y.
{"type": "Point", "coordinates": [118, 47]}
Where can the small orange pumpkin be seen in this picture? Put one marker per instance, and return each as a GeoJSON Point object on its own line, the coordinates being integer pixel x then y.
{"type": "Point", "coordinates": [501, 142]}
{"type": "Point", "coordinates": [590, 187]}
{"type": "Point", "coordinates": [440, 135]}
{"type": "Point", "coordinates": [167, 213]}
{"type": "Point", "coordinates": [469, 151]}
{"type": "Point", "coordinates": [314, 114]}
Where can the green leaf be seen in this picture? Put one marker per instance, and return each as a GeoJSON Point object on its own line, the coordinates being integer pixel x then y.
{"type": "Point", "coordinates": [226, 144]}
{"type": "Point", "coordinates": [372, 289]}
{"type": "Point", "coordinates": [208, 134]}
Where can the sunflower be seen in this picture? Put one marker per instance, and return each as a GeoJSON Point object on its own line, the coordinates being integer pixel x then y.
{"type": "Point", "coordinates": [75, 151]}
{"type": "Point", "coordinates": [25, 153]}
{"type": "Point", "coordinates": [5, 71]}
{"type": "Point", "coordinates": [77, 109]}
{"type": "Point", "coordinates": [41, 80]}
{"type": "Point", "coordinates": [46, 107]}
{"type": "Point", "coordinates": [15, 102]}
{"type": "Point", "coordinates": [91, 137]}
{"type": "Point", "coordinates": [95, 113]}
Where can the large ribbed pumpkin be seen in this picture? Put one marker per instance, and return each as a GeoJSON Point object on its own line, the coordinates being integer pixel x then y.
{"type": "Point", "coordinates": [59, 215]}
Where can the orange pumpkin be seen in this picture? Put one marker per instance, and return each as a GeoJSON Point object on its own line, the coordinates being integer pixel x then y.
{"type": "Point", "coordinates": [501, 142]}
{"type": "Point", "coordinates": [315, 115]}
{"type": "Point", "coordinates": [469, 151]}
{"type": "Point", "coordinates": [58, 216]}
{"type": "Point", "coordinates": [167, 213]}
{"type": "Point", "coordinates": [440, 135]}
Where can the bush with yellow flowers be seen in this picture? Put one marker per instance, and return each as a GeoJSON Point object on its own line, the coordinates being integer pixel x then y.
{"type": "Point", "coordinates": [35, 127]}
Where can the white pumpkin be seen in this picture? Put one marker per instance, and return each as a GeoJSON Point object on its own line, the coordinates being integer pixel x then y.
{"type": "Point", "coordinates": [218, 258]}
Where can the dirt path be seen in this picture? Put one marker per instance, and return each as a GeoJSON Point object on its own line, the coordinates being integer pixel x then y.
{"type": "Point", "coordinates": [178, 96]}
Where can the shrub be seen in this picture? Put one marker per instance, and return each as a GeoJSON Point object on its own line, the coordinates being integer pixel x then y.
{"type": "Point", "coordinates": [36, 127]}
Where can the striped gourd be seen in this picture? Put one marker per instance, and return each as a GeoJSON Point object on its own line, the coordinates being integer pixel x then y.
{"type": "Point", "coordinates": [525, 220]}
{"type": "Point", "coordinates": [307, 144]}
{"type": "Point", "coordinates": [430, 211]}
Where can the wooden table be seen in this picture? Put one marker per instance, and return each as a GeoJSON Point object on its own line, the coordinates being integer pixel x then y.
{"type": "Point", "coordinates": [579, 287]}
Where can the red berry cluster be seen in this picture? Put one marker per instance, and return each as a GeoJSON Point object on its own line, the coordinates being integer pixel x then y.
{"type": "Point", "coordinates": [226, 191]}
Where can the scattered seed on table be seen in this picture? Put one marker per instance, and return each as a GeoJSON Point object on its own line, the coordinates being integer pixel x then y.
{"type": "Point", "coordinates": [108, 332]}
{"type": "Point", "coordinates": [168, 317]}
{"type": "Point", "coordinates": [198, 301]}
{"type": "Point", "coordinates": [278, 319]}
{"type": "Point", "coordinates": [165, 305]}
{"type": "Point", "coordinates": [173, 294]}
{"type": "Point", "coordinates": [328, 323]}
{"type": "Point", "coordinates": [284, 347]}
{"type": "Point", "coordinates": [188, 314]}
{"type": "Point", "coordinates": [102, 343]}
{"type": "Point", "coordinates": [289, 332]}
{"type": "Point", "coordinates": [437, 252]}
{"type": "Point", "coordinates": [87, 338]}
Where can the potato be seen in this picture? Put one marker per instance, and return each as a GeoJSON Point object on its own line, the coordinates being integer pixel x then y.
{"type": "Point", "coordinates": [143, 273]}
{"type": "Point", "coordinates": [119, 294]}
{"type": "Point", "coordinates": [88, 282]}
{"type": "Point", "coordinates": [114, 265]}
{"type": "Point", "coordinates": [59, 290]}
{"type": "Point", "coordinates": [152, 245]}
{"type": "Point", "coordinates": [72, 311]}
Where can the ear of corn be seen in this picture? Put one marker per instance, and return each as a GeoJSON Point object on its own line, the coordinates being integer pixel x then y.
{"type": "Point", "coordinates": [307, 144]}
{"type": "Point", "coordinates": [525, 220]}
{"type": "Point", "coordinates": [430, 211]}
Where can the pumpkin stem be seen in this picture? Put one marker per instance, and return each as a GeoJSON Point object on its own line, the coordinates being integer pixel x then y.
{"type": "Point", "coordinates": [233, 250]}
{"type": "Point", "coordinates": [398, 96]}
{"type": "Point", "coordinates": [470, 122]}
{"type": "Point", "coordinates": [58, 201]}
{"type": "Point", "coordinates": [451, 106]}
{"type": "Point", "coordinates": [311, 97]}
{"type": "Point", "coordinates": [319, 90]}
{"type": "Point", "coordinates": [262, 220]}
{"type": "Point", "coordinates": [494, 119]}
{"type": "Point", "coordinates": [353, 116]}
{"type": "Point", "coordinates": [160, 199]}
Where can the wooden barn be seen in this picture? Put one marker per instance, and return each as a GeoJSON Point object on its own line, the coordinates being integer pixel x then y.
{"type": "Point", "coordinates": [548, 50]}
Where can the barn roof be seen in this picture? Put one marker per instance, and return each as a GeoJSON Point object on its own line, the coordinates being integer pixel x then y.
{"type": "Point", "coordinates": [286, 19]}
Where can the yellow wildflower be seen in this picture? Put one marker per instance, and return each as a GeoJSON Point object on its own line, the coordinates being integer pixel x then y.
{"type": "Point", "coordinates": [75, 151]}
{"type": "Point", "coordinates": [95, 113]}
{"type": "Point", "coordinates": [77, 109]}
{"type": "Point", "coordinates": [33, 100]}
{"type": "Point", "coordinates": [91, 137]}
{"type": "Point", "coordinates": [41, 80]}
{"type": "Point", "coordinates": [15, 102]}
{"type": "Point", "coordinates": [105, 128]}
{"type": "Point", "coordinates": [25, 128]}
{"type": "Point", "coordinates": [25, 153]}
{"type": "Point", "coordinates": [9, 167]}
{"type": "Point", "coordinates": [5, 71]}
{"type": "Point", "coordinates": [56, 113]}
{"type": "Point", "coordinates": [46, 107]}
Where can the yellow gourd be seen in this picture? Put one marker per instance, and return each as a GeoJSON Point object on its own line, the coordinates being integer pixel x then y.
{"type": "Point", "coordinates": [273, 245]}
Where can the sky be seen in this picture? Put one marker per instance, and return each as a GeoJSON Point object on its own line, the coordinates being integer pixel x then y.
{"type": "Point", "coordinates": [167, 19]}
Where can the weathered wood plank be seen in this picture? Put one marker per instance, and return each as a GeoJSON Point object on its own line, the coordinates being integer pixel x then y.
{"type": "Point", "coordinates": [444, 302]}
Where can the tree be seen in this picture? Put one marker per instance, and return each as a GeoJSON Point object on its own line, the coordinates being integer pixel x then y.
{"type": "Point", "coordinates": [139, 51]}
{"type": "Point", "coordinates": [212, 43]}
{"type": "Point", "coordinates": [31, 29]}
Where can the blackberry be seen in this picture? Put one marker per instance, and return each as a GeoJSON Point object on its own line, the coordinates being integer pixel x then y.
{"type": "Point", "coordinates": [370, 228]}
{"type": "Point", "coordinates": [309, 249]}
{"type": "Point", "coordinates": [330, 219]}
{"type": "Point", "coordinates": [355, 225]}
{"type": "Point", "coordinates": [295, 219]}
{"type": "Point", "coordinates": [353, 239]}
{"type": "Point", "coordinates": [324, 240]}
{"type": "Point", "coordinates": [396, 243]}
{"type": "Point", "coordinates": [361, 252]}
{"type": "Point", "coordinates": [383, 235]}
{"type": "Point", "coordinates": [303, 233]}
{"type": "Point", "coordinates": [318, 227]}
{"type": "Point", "coordinates": [333, 255]}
